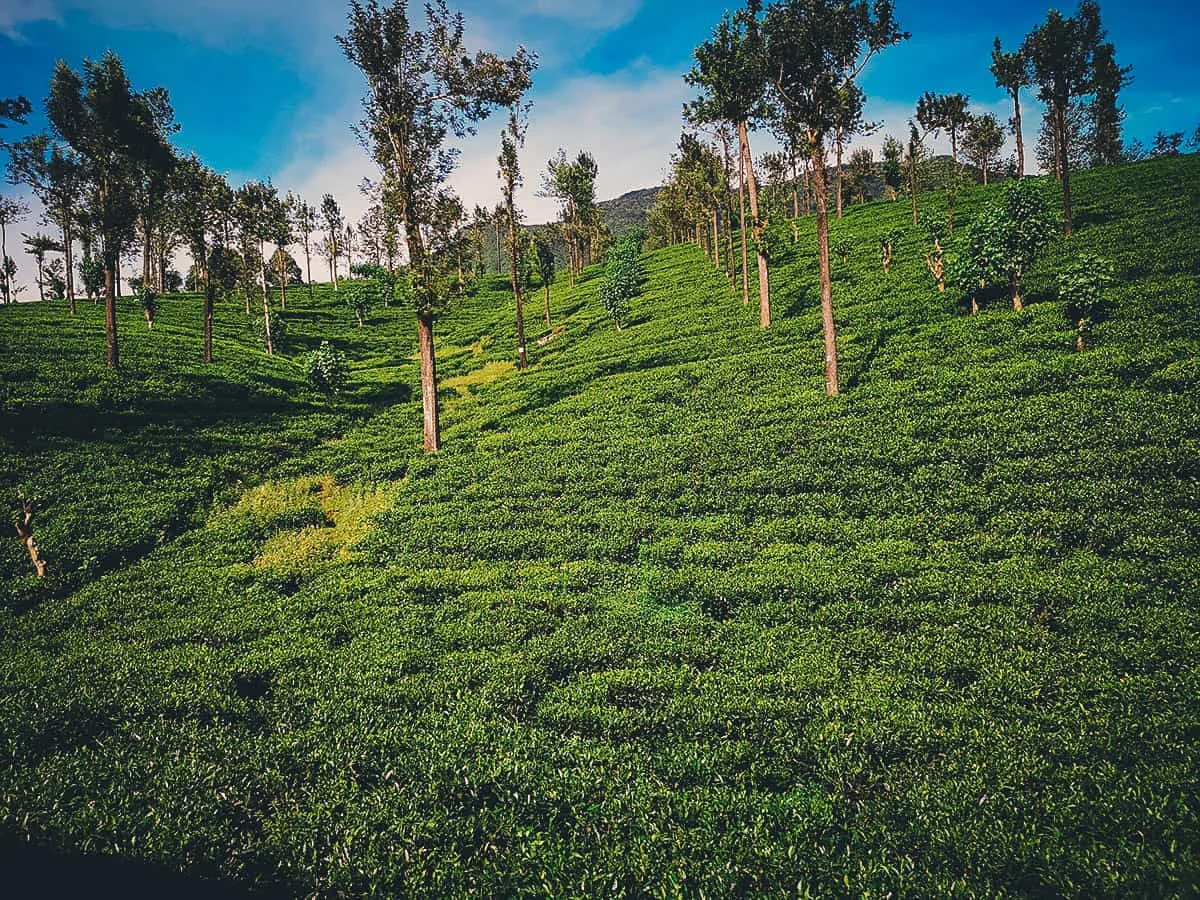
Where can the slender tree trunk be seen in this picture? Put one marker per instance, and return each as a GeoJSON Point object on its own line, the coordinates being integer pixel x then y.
{"type": "Point", "coordinates": [831, 362]}
{"type": "Point", "coordinates": [68, 252]}
{"type": "Point", "coordinates": [522, 357]}
{"type": "Point", "coordinates": [208, 308]}
{"type": "Point", "coordinates": [41, 279]}
{"type": "Point", "coordinates": [429, 408]}
{"type": "Point", "coordinates": [262, 269]}
{"type": "Point", "coordinates": [1065, 158]}
{"type": "Point", "coordinates": [838, 148]}
{"type": "Point", "coordinates": [308, 269]}
{"type": "Point", "coordinates": [112, 351]}
{"type": "Point", "coordinates": [795, 190]}
{"type": "Point", "coordinates": [1018, 302]}
{"type": "Point", "coordinates": [764, 289]}
{"type": "Point", "coordinates": [1016, 95]}
{"type": "Point", "coordinates": [548, 304]}
{"type": "Point", "coordinates": [742, 221]}
{"type": "Point", "coordinates": [282, 281]}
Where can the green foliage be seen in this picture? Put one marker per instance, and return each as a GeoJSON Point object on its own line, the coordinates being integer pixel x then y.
{"type": "Point", "coordinates": [327, 370]}
{"type": "Point", "coordinates": [279, 330]}
{"type": "Point", "coordinates": [623, 275]}
{"type": "Point", "coordinates": [91, 273]}
{"type": "Point", "coordinates": [385, 281]}
{"type": "Point", "coordinates": [1082, 286]}
{"type": "Point", "coordinates": [843, 248]}
{"type": "Point", "coordinates": [149, 301]}
{"type": "Point", "coordinates": [360, 296]}
{"type": "Point", "coordinates": [1008, 236]}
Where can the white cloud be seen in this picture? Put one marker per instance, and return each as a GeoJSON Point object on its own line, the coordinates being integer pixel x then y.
{"type": "Point", "coordinates": [15, 13]}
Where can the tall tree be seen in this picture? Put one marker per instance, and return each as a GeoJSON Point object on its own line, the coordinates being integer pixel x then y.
{"type": "Point", "coordinates": [304, 221]}
{"type": "Point", "coordinates": [982, 142]}
{"type": "Point", "coordinates": [115, 132]}
{"type": "Point", "coordinates": [199, 212]}
{"type": "Point", "coordinates": [331, 218]}
{"type": "Point", "coordinates": [282, 236]}
{"type": "Point", "coordinates": [815, 49]}
{"type": "Point", "coordinates": [1061, 54]}
{"type": "Point", "coordinates": [258, 201]}
{"type": "Point", "coordinates": [12, 211]}
{"type": "Point", "coordinates": [731, 76]}
{"type": "Point", "coordinates": [1108, 80]}
{"type": "Point", "coordinates": [53, 174]}
{"type": "Point", "coordinates": [37, 246]}
{"type": "Point", "coordinates": [512, 138]}
{"type": "Point", "coordinates": [422, 87]}
{"type": "Point", "coordinates": [1011, 71]}
{"type": "Point", "coordinates": [545, 270]}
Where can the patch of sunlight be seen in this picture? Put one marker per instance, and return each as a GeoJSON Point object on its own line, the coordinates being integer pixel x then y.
{"type": "Point", "coordinates": [345, 512]}
{"type": "Point", "coordinates": [485, 374]}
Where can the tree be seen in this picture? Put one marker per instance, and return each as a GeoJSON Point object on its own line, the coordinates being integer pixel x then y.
{"type": "Point", "coordinates": [115, 132]}
{"type": "Point", "coordinates": [55, 178]}
{"type": "Point", "coordinates": [258, 201]}
{"type": "Point", "coordinates": [1004, 241]}
{"type": "Point", "coordinates": [511, 139]}
{"type": "Point", "coordinates": [944, 112]}
{"type": "Point", "coordinates": [982, 142]}
{"type": "Point", "coordinates": [37, 246]}
{"type": "Point", "coordinates": [1049, 156]}
{"type": "Point", "coordinates": [327, 370]}
{"type": "Point", "coordinates": [887, 247]}
{"type": "Point", "coordinates": [860, 171]}
{"type": "Point", "coordinates": [280, 217]}
{"type": "Point", "coordinates": [1108, 80]}
{"type": "Point", "coordinates": [1082, 285]}
{"type": "Point", "coordinates": [893, 165]}
{"type": "Point", "coordinates": [8, 271]}
{"type": "Point", "coordinates": [11, 212]}
{"type": "Point", "coordinates": [1166, 144]}
{"type": "Point", "coordinates": [915, 158]}
{"type": "Point", "coordinates": [422, 87]}
{"type": "Point", "coordinates": [304, 220]}
{"type": "Point", "coordinates": [14, 110]}
{"type": "Point", "coordinates": [1011, 71]}
{"type": "Point", "coordinates": [573, 184]}
{"type": "Point", "coordinates": [730, 73]}
{"type": "Point", "coordinates": [331, 218]}
{"type": "Point", "coordinates": [935, 257]}
{"type": "Point", "coordinates": [545, 270]}
{"type": "Point", "coordinates": [623, 274]}
{"type": "Point", "coordinates": [199, 207]}
{"type": "Point", "coordinates": [848, 122]}
{"type": "Point", "coordinates": [1061, 53]}
{"type": "Point", "coordinates": [283, 267]}
{"type": "Point", "coordinates": [815, 50]}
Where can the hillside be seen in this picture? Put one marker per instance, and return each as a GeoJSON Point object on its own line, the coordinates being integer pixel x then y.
{"type": "Point", "coordinates": [662, 619]}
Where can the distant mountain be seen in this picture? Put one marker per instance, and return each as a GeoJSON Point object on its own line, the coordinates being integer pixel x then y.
{"type": "Point", "coordinates": [630, 210]}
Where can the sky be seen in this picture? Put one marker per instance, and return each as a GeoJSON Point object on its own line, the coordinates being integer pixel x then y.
{"type": "Point", "coordinates": [261, 89]}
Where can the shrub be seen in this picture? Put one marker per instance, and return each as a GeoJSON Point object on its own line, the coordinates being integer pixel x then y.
{"type": "Point", "coordinates": [327, 370]}
{"type": "Point", "coordinates": [1082, 284]}
{"type": "Point", "coordinates": [623, 274]}
{"type": "Point", "coordinates": [149, 300]}
{"type": "Point", "coordinates": [278, 331]}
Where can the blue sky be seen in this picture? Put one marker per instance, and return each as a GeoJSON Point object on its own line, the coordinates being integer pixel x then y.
{"type": "Point", "coordinates": [261, 89]}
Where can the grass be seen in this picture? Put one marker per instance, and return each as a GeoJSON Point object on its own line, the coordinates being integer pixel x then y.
{"type": "Point", "coordinates": [662, 619]}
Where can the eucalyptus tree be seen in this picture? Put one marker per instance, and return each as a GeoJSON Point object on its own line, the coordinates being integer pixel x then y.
{"type": "Point", "coordinates": [279, 218]}
{"type": "Point", "coordinates": [545, 269]}
{"type": "Point", "coordinates": [199, 212]}
{"type": "Point", "coordinates": [1061, 55]}
{"type": "Point", "coordinates": [983, 141]}
{"type": "Point", "coordinates": [1108, 78]}
{"type": "Point", "coordinates": [12, 210]}
{"type": "Point", "coordinates": [512, 138]}
{"type": "Point", "coordinates": [53, 174]}
{"type": "Point", "coordinates": [38, 245]}
{"type": "Point", "coordinates": [370, 232]}
{"type": "Point", "coordinates": [349, 245]}
{"type": "Point", "coordinates": [815, 49]}
{"type": "Point", "coordinates": [304, 221]}
{"type": "Point", "coordinates": [573, 184]}
{"type": "Point", "coordinates": [258, 202]}
{"type": "Point", "coordinates": [14, 109]}
{"type": "Point", "coordinates": [115, 132]}
{"type": "Point", "coordinates": [892, 165]}
{"type": "Point", "coordinates": [731, 76]}
{"type": "Point", "coordinates": [860, 171]}
{"type": "Point", "coordinates": [1011, 71]}
{"type": "Point", "coordinates": [945, 112]}
{"type": "Point", "coordinates": [424, 86]}
{"type": "Point", "coordinates": [849, 121]}
{"type": "Point", "coordinates": [331, 218]}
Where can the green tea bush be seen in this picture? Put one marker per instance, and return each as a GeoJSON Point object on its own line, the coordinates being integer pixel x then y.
{"type": "Point", "coordinates": [327, 370]}
{"type": "Point", "coordinates": [1082, 286]}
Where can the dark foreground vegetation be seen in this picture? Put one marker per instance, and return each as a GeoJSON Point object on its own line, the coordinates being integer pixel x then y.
{"type": "Point", "coordinates": [662, 618]}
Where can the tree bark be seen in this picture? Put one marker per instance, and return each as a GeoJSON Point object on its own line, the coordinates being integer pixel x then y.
{"type": "Point", "coordinates": [827, 324]}
{"type": "Point", "coordinates": [522, 356]}
{"type": "Point", "coordinates": [282, 281]}
{"type": "Point", "coordinates": [716, 237]}
{"type": "Point", "coordinates": [429, 406]}
{"type": "Point", "coordinates": [547, 304]}
{"type": "Point", "coordinates": [308, 269]}
{"type": "Point", "coordinates": [24, 525]}
{"type": "Point", "coordinates": [838, 149]}
{"type": "Point", "coordinates": [112, 351]}
{"type": "Point", "coordinates": [764, 289]}
{"type": "Point", "coordinates": [262, 268]}
{"type": "Point", "coordinates": [1065, 161]}
{"type": "Point", "coordinates": [69, 254]}
{"type": "Point", "coordinates": [742, 221]}
{"type": "Point", "coordinates": [1016, 95]}
{"type": "Point", "coordinates": [208, 309]}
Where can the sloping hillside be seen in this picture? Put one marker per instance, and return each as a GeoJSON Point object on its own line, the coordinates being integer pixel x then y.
{"type": "Point", "coordinates": [662, 618]}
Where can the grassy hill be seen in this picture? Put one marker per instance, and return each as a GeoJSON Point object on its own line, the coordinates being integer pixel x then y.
{"type": "Point", "coordinates": [662, 619]}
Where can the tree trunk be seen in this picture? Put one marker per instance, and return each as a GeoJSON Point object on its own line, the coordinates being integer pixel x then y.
{"type": "Point", "coordinates": [429, 407]}
{"type": "Point", "coordinates": [716, 238]}
{"type": "Point", "coordinates": [1016, 95]}
{"type": "Point", "coordinates": [795, 190]}
{"type": "Point", "coordinates": [308, 269]}
{"type": "Point", "coordinates": [282, 281]}
{"type": "Point", "coordinates": [41, 279]}
{"type": "Point", "coordinates": [262, 269]}
{"type": "Point", "coordinates": [547, 304]}
{"type": "Point", "coordinates": [522, 357]}
{"type": "Point", "coordinates": [68, 252]}
{"type": "Point", "coordinates": [1018, 303]}
{"type": "Point", "coordinates": [1065, 158]}
{"type": "Point", "coordinates": [112, 351]}
{"type": "Point", "coordinates": [764, 289]}
{"type": "Point", "coordinates": [24, 525]}
{"type": "Point", "coordinates": [742, 221]}
{"type": "Point", "coordinates": [838, 148]}
{"type": "Point", "coordinates": [827, 325]}
{"type": "Point", "coordinates": [208, 309]}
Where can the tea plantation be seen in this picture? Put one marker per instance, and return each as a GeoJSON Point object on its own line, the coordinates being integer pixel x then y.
{"type": "Point", "coordinates": [662, 619]}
